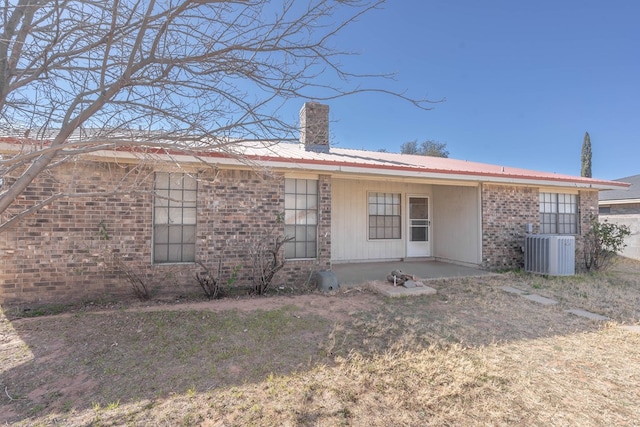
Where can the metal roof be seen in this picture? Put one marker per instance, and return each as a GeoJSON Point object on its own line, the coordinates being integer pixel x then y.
{"type": "Point", "coordinates": [292, 156]}
{"type": "Point", "coordinates": [436, 167]}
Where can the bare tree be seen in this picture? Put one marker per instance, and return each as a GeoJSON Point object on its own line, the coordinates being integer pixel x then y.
{"type": "Point", "coordinates": [83, 75]}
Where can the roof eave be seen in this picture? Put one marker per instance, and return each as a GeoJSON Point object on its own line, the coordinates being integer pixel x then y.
{"type": "Point", "coordinates": [310, 165]}
{"type": "Point", "coordinates": [327, 166]}
{"type": "Point", "coordinates": [618, 201]}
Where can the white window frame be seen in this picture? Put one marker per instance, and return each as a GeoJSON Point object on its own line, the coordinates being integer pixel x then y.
{"type": "Point", "coordinates": [384, 216]}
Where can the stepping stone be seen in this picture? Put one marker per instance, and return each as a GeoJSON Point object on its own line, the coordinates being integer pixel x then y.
{"type": "Point", "coordinates": [513, 290]}
{"type": "Point", "coordinates": [632, 328]}
{"type": "Point", "coordinates": [587, 314]}
{"type": "Point", "coordinates": [540, 299]}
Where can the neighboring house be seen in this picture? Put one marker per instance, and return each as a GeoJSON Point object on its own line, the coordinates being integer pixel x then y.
{"type": "Point", "coordinates": [339, 206]}
{"type": "Point", "coordinates": [623, 207]}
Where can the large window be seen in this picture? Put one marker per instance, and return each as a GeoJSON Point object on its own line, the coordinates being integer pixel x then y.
{"type": "Point", "coordinates": [558, 213]}
{"type": "Point", "coordinates": [384, 216]}
{"type": "Point", "coordinates": [174, 218]}
{"type": "Point", "coordinates": [301, 218]}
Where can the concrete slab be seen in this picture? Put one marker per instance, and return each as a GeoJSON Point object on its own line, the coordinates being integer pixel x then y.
{"type": "Point", "coordinates": [540, 299]}
{"type": "Point", "coordinates": [359, 273]}
{"type": "Point", "coordinates": [632, 328]}
{"type": "Point", "coordinates": [587, 314]}
{"type": "Point", "coordinates": [388, 290]}
{"type": "Point", "coordinates": [512, 290]}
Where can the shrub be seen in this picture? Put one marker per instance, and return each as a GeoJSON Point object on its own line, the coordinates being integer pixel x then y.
{"type": "Point", "coordinates": [602, 242]}
{"type": "Point", "coordinates": [112, 257]}
{"type": "Point", "coordinates": [209, 283]}
{"type": "Point", "coordinates": [267, 259]}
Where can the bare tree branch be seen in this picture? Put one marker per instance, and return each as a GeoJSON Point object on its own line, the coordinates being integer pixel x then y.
{"type": "Point", "coordinates": [194, 75]}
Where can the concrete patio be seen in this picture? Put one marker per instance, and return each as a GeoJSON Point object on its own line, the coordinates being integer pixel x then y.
{"type": "Point", "coordinates": [357, 274]}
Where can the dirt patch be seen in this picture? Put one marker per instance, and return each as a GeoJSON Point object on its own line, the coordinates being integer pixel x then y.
{"type": "Point", "coordinates": [330, 305]}
{"type": "Point", "coordinates": [91, 357]}
{"type": "Point", "coordinates": [471, 354]}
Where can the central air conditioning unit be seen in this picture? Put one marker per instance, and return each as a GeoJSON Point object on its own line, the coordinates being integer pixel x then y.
{"type": "Point", "coordinates": [550, 254]}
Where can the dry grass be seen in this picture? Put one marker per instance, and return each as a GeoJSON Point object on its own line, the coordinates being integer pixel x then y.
{"type": "Point", "coordinates": [614, 293]}
{"type": "Point", "coordinates": [471, 355]}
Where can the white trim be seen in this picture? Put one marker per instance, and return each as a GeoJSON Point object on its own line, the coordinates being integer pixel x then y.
{"type": "Point", "coordinates": [367, 225]}
{"type": "Point", "coordinates": [558, 190]}
{"type": "Point", "coordinates": [406, 180]}
{"type": "Point", "coordinates": [371, 170]}
{"type": "Point", "coordinates": [618, 202]}
{"type": "Point", "coordinates": [407, 226]}
{"type": "Point", "coordinates": [301, 175]}
{"type": "Point", "coordinates": [366, 169]}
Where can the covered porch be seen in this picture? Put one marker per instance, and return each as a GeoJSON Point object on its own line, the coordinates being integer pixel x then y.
{"type": "Point", "coordinates": [374, 220]}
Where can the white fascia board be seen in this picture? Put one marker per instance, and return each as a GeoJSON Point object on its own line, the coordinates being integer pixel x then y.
{"type": "Point", "coordinates": [365, 170]}
{"type": "Point", "coordinates": [454, 177]}
{"type": "Point", "coordinates": [618, 201]}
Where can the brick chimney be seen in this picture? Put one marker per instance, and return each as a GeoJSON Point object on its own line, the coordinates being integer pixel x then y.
{"type": "Point", "coordinates": [314, 127]}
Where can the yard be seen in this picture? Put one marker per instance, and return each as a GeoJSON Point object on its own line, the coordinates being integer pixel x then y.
{"type": "Point", "coordinates": [470, 355]}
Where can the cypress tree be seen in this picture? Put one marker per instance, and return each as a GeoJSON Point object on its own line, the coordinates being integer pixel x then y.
{"type": "Point", "coordinates": [586, 156]}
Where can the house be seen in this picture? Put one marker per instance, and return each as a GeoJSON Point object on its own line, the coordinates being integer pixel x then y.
{"type": "Point", "coordinates": [623, 207]}
{"type": "Point", "coordinates": [338, 206]}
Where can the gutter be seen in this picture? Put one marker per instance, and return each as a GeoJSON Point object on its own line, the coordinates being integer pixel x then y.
{"type": "Point", "coordinates": [342, 167]}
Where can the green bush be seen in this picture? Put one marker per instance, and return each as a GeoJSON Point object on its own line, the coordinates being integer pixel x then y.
{"type": "Point", "coordinates": [602, 242]}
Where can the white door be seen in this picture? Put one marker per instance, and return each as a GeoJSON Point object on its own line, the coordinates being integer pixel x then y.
{"type": "Point", "coordinates": [418, 227]}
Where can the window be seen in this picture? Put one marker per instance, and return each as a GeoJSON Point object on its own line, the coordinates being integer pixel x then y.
{"type": "Point", "coordinates": [301, 218]}
{"type": "Point", "coordinates": [558, 213]}
{"type": "Point", "coordinates": [174, 218]}
{"type": "Point", "coordinates": [384, 216]}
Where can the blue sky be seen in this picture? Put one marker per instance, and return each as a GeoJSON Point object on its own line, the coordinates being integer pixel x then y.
{"type": "Point", "coordinates": [522, 81]}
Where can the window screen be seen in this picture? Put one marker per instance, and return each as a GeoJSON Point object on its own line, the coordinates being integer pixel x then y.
{"type": "Point", "coordinates": [384, 216]}
{"type": "Point", "coordinates": [174, 218]}
{"type": "Point", "coordinates": [301, 218]}
{"type": "Point", "coordinates": [558, 213]}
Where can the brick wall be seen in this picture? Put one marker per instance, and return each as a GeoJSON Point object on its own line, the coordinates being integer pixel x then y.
{"type": "Point", "coordinates": [58, 254]}
{"type": "Point", "coordinates": [236, 209]}
{"type": "Point", "coordinates": [506, 211]}
{"type": "Point", "coordinates": [588, 213]}
{"type": "Point", "coordinates": [239, 208]}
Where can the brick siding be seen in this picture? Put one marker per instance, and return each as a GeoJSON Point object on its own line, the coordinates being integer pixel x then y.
{"type": "Point", "coordinates": [62, 252]}
{"type": "Point", "coordinates": [506, 211]}
{"type": "Point", "coordinates": [588, 214]}
{"type": "Point", "coordinates": [58, 254]}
